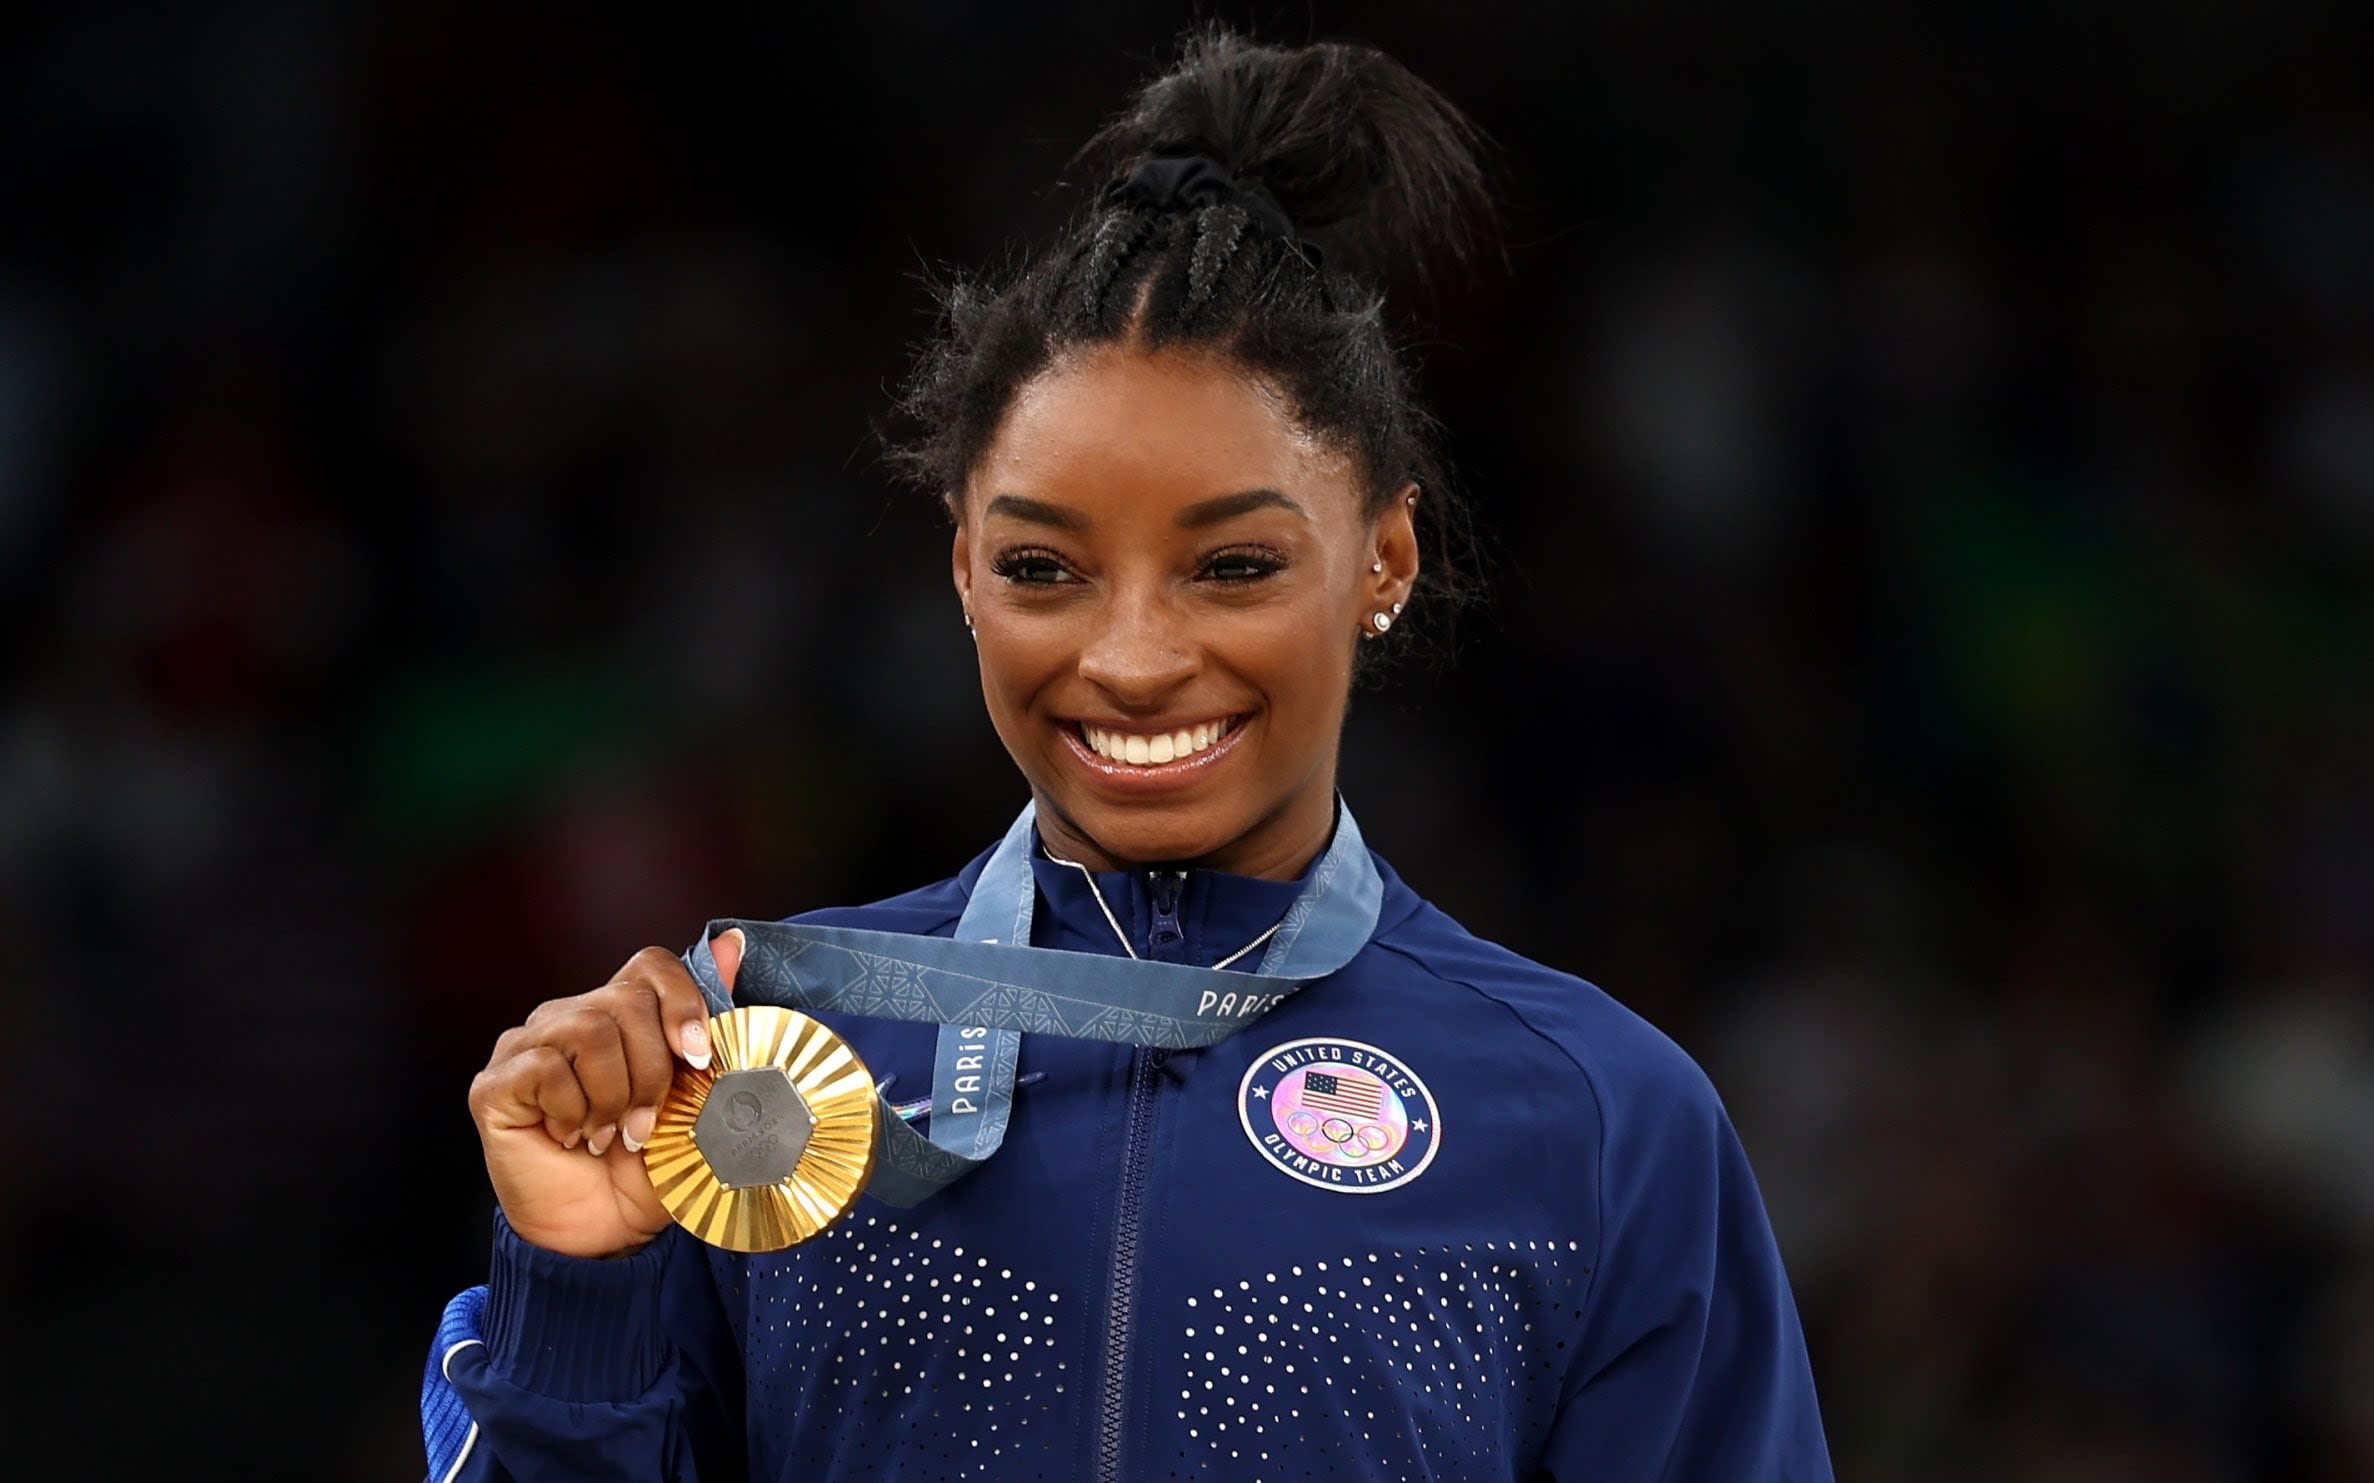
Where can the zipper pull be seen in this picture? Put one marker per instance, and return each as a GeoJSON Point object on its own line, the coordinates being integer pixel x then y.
{"type": "Point", "coordinates": [1166, 886]}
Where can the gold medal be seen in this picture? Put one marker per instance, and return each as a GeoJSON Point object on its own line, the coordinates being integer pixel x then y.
{"type": "Point", "coordinates": [774, 1141]}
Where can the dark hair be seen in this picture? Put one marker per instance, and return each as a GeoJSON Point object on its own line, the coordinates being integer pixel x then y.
{"type": "Point", "coordinates": [1365, 160]}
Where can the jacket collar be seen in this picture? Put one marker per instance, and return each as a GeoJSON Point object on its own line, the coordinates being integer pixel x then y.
{"type": "Point", "coordinates": [1194, 916]}
{"type": "Point", "coordinates": [1214, 905]}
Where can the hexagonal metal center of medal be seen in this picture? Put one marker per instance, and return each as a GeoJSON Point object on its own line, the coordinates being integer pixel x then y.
{"type": "Point", "coordinates": [753, 1128]}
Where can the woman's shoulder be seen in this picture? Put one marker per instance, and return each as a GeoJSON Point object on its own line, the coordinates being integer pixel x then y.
{"type": "Point", "coordinates": [1619, 1052]}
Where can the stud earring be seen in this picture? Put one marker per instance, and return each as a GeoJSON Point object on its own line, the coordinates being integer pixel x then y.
{"type": "Point", "coordinates": [1376, 566]}
{"type": "Point", "coordinates": [1383, 621]}
{"type": "Point", "coordinates": [1397, 610]}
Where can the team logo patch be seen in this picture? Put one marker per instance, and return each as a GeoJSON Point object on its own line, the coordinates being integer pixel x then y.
{"type": "Point", "coordinates": [1339, 1114]}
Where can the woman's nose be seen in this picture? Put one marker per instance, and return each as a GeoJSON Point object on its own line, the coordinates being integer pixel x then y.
{"type": "Point", "coordinates": [1140, 652]}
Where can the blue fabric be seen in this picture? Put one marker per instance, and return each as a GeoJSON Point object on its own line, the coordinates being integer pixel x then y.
{"type": "Point", "coordinates": [445, 1425]}
{"type": "Point", "coordinates": [595, 1370]}
{"type": "Point", "coordinates": [1578, 1283]}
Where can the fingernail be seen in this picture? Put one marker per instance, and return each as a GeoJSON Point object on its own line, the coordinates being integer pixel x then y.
{"type": "Point", "coordinates": [696, 1045]}
{"type": "Point", "coordinates": [636, 1130]}
{"type": "Point", "coordinates": [599, 1143]}
{"type": "Point", "coordinates": [574, 1135]}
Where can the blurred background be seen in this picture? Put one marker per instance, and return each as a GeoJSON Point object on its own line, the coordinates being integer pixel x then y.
{"type": "Point", "coordinates": [1929, 455]}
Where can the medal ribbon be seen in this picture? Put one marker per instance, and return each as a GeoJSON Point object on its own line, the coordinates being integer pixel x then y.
{"type": "Point", "coordinates": [986, 985]}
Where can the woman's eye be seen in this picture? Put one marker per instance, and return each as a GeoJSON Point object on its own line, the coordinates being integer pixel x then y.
{"type": "Point", "coordinates": [1243, 566]}
{"type": "Point", "coordinates": [1032, 568]}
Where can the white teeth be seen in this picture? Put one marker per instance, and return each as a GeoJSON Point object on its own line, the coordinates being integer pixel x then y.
{"type": "Point", "coordinates": [1153, 751]}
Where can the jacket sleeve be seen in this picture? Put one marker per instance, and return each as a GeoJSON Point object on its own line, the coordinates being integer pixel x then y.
{"type": "Point", "coordinates": [564, 1368]}
{"type": "Point", "coordinates": [1692, 1363]}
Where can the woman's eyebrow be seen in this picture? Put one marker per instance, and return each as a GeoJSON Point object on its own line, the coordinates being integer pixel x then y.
{"type": "Point", "coordinates": [1228, 506]}
{"type": "Point", "coordinates": [1038, 512]}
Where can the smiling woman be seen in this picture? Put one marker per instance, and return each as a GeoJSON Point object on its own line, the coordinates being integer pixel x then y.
{"type": "Point", "coordinates": [1299, 1178]}
{"type": "Point", "coordinates": [1148, 552]}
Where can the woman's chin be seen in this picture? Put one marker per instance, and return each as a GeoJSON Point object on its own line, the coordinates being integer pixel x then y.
{"type": "Point", "coordinates": [1146, 835]}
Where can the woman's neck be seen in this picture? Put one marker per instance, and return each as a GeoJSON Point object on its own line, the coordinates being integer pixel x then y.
{"type": "Point", "coordinates": [1279, 847]}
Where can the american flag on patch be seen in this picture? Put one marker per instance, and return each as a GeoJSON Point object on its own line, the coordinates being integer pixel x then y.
{"type": "Point", "coordinates": [1344, 1092]}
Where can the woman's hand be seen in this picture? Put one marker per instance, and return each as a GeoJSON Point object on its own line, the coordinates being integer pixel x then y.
{"type": "Point", "coordinates": [584, 1076]}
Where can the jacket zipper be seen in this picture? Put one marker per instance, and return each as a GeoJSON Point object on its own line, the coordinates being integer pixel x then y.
{"type": "Point", "coordinates": [1145, 1067]}
{"type": "Point", "coordinates": [1165, 886]}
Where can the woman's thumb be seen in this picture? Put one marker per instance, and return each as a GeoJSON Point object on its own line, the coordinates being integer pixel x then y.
{"type": "Point", "coordinates": [726, 949]}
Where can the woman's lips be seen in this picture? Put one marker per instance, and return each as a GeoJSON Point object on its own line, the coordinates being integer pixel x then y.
{"type": "Point", "coordinates": [1089, 744]}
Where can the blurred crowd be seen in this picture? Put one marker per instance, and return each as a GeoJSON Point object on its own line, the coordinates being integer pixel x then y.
{"type": "Point", "coordinates": [1927, 459]}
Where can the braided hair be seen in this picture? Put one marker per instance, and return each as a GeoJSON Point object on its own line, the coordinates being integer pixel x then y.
{"type": "Point", "coordinates": [1260, 194]}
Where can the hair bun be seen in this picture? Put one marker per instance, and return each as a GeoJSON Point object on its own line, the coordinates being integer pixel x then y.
{"type": "Point", "coordinates": [1191, 182]}
{"type": "Point", "coordinates": [1364, 159]}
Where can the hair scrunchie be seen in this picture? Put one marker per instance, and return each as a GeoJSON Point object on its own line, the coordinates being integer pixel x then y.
{"type": "Point", "coordinates": [1193, 182]}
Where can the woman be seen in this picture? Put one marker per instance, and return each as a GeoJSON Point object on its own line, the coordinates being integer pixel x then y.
{"type": "Point", "coordinates": [1443, 1213]}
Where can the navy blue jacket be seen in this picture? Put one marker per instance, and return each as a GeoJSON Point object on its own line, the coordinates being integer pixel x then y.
{"type": "Point", "coordinates": [1446, 1214]}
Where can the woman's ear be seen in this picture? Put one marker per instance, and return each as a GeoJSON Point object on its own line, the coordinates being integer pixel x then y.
{"type": "Point", "coordinates": [960, 567]}
{"type": "Point", "coordinates": [1393, 565]}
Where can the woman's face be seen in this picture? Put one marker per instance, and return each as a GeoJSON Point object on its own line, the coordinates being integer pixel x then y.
{"type": "Point", "coordinates": [1166, 579]}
